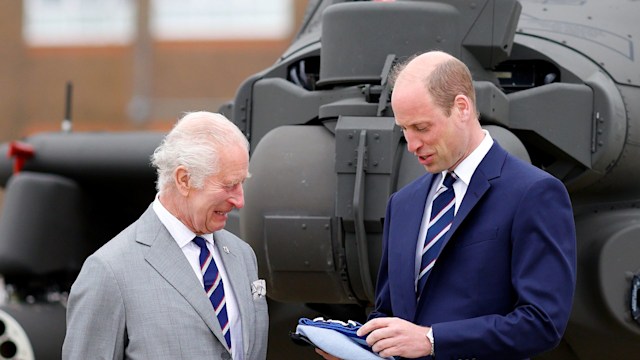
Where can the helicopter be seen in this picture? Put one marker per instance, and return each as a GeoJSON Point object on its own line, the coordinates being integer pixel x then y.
{"type": "Point", "coordinates": [557, 85]}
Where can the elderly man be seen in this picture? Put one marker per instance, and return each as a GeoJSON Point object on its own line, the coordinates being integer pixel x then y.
{"type": "Point", "coordinates": [174, 284]}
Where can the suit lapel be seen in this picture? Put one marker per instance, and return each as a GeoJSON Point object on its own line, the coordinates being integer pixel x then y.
{"type": "Point", "coordinates": [239, 282]}
{"type": "Point", "coordinates": [488, 169]}
{"type": "Point", "coordinates": [169, 261]}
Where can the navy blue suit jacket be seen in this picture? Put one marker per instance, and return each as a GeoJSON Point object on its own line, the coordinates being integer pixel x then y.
{"type": "Point", "coordinates": [503, 284]}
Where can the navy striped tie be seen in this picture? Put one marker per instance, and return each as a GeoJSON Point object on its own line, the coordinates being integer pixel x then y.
{"type": "Point", "coordinates": [214, 288]}
{"type": "Point", "coordinates": [442, 211]}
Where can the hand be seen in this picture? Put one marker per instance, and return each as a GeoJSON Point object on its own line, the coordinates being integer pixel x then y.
{"type": "Point", "coordinates": [326, 355]}
{"type": "Point", "coordinates": [396, 337]}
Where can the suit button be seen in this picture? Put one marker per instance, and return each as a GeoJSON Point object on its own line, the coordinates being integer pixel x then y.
{"type": "Point", "coordinates": [225, 356]}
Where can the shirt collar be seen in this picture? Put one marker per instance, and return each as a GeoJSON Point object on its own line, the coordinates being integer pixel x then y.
{"type": "Point", "coordinates": [468, 166]}
{"type": "Point", "coordinates": [179, 231]}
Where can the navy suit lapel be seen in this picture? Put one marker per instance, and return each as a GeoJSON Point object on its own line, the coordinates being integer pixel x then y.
{"type": "Point", "coordinates": [489, 168]}
{"type": "Point", "coordinates": [406, 221]}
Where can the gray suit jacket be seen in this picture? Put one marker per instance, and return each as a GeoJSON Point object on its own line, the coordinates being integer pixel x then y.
{"type": "Point", "coordinates": [138, 298]}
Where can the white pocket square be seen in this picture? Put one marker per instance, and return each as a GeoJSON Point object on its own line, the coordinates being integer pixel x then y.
{"type": "Point", "coordinates": [258, 289]}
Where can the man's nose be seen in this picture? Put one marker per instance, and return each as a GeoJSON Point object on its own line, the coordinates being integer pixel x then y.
{"type": "Point", "coordinates": [413, 144]}
{"type": "Point", "coordinates": [237, 197]}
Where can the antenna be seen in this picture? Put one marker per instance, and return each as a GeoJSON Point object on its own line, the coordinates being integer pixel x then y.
{"type": "Point", "coordinates": [66, 123]}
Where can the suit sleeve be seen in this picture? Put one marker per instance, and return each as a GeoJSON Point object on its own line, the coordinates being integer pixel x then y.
{"type": "Point", "coordinates": [543, 275]}
{"type": "Point", "coordinates": [383, 297]}
{"type": "Point", "coordinates": [95, 315]}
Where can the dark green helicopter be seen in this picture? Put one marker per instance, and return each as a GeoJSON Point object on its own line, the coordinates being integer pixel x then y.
{"type": "Point", "coordinates": [558, 85]}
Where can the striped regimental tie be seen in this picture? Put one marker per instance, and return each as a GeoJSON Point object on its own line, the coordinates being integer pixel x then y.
{"type": "Point", "coordinates": [213, 287]}
{"type": "Point", "coordinates": [442, 211]}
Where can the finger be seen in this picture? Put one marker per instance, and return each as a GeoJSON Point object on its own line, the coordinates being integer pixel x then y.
{"type": "Point", "coordinates": [382, 345]}
{"type": "Point", "coordinates": [383, 335]}
{"type": "Point", "coordinates": [390, 351]}
{"type": "Point", "coordinates": [375, 336]}
{"type": "Point", "coordinates": [371, 325]}
{"type": "Point", "coordinates": [383, 329]}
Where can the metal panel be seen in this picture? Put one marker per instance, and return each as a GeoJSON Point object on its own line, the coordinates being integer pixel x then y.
{"type": "Point", "coordinates": [299, 243]}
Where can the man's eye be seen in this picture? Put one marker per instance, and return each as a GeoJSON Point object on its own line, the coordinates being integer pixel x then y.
{"type": "Point", "coordinates": [233, 186]}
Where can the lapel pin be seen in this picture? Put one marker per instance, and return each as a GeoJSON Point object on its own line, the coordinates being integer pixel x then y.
{"type": "Point", "coordinates": [225, 249]}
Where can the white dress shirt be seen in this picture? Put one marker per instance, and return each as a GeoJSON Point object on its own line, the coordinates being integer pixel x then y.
{"type": "Point", "coordinates": [184, 238]}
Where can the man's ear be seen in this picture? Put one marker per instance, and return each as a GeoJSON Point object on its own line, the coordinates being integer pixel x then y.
{"type": "Point", "coordinates": [462, 105]}
{"type": "Point", "coordinates": [182, 180]}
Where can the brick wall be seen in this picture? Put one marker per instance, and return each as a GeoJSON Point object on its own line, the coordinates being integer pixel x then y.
{"type": "Point", "coordinates": [181, 76]}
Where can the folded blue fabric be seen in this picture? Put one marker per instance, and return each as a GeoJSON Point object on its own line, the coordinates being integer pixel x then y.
{"type": "Point", "coordinates": [337, 338]}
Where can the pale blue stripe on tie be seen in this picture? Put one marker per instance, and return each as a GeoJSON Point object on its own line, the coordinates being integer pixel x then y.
{"type": "Point", "coordinates": [442, 211]}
